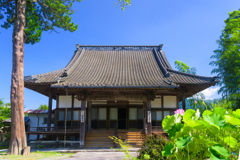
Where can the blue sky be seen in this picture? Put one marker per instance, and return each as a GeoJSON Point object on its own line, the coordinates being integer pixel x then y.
{"type": "Point", "coordinates": [188, 29]}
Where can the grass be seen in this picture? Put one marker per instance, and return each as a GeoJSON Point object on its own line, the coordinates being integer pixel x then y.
{"type": "Point", "coordinates": [36, 155]}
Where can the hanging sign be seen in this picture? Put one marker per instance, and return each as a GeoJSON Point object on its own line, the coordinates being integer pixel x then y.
{"type": "Point", "coordinates": [149, 117]}
{"type": "Point", "coordinates": [82, 117]}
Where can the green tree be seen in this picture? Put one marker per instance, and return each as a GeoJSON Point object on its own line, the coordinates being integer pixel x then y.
{"type": "Point", "coordinates": [227, 59]}
{"type": "Point", "coordinates": [5, 112]}
{"type": "Point", "coordinates": [29, 19]}
{"type": "Point", "coordinates": [183, 67]}
{"type": "Point", "coordinates": [197, 101]}
{"type": "Point", "coordinates": [43, 107]}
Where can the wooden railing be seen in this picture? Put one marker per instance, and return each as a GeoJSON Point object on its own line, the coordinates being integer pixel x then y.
{"type": "Point", "coordinates": [52, 129]}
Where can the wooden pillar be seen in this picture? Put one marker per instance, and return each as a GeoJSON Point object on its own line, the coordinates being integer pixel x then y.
{"type": "Point", "coordinates": [149, 118]}
{"type": "Point", "coordinates": [89, 105]}
{"type": "Point", "coordinates": [49, 109]}
{"type": "Point", "coordinates": [82, 123]}
{"type": "Point", "coordinates": [183, 100]}
{"type": "Point", "coordinates": [144, 115]}
{"type": "Point", "coordinates": [55, 119]}
{"type": "Point", "coordinates": [57, 139]}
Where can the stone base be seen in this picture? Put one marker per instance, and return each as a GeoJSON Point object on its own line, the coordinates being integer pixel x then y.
{"type": "Point", "coordinates": [45, 144]}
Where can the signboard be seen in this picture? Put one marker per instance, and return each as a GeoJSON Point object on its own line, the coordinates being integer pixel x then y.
{"type": "Point", "coordinates": [82, 117]}
{"type": "Point", "coordinates": [149, 117]}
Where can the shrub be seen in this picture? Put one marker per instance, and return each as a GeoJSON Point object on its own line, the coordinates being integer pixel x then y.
{"type": "Point", "coordinates": [124, 148]}
{"type": "Point", "coordinates": [152, 147]}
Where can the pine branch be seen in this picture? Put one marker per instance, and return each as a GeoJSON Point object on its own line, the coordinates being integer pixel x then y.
{"type": "Point", "coordinates": [6, 3]}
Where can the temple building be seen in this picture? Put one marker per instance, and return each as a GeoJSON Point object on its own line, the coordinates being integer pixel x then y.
{"type": "Point", "coordinates": [113, 90]}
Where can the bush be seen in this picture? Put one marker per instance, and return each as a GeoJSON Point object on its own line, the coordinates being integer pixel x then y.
{"type": "Point", "coordinates": [152, 147]}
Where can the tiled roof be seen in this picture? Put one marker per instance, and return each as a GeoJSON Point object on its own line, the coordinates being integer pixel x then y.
{"type": "Point", "coordinates": [36, 111]}
{"type": "Point", "coordinates": [118, 66]}
{"type": "Point", "coordinates": [9, 120]}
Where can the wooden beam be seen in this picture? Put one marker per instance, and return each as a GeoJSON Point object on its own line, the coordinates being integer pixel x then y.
{"type": "Point", "coordinates": [49, 109]}
{"type": "Point", "coordinates": [183, 100]}
{"type": "Point", "coordinates": [89, 105]}
{"type": "Point", "coordinates": [82, 124]}
{"type": "Point", "coordinates": [117, 97]}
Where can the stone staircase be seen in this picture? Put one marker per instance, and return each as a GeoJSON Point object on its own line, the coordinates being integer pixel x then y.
{"type": "Point", "coordinates": [99, 139]}
{"type": "Point", "coordinates": [135, 139]}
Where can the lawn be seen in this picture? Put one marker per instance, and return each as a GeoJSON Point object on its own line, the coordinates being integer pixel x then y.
{"type": "Point", "coordinates": [37, 155]}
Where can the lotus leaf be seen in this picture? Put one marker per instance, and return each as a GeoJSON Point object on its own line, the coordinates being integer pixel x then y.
{"type": "Point", "coordinates": [183, 141]}
{"type": "Point", "coordinates": [167, 149]}
{"type": "Point", "coordinates": [168, 122]}
{"type": "Point", "coordinates": [232, 120]}
{"type": "Point", "coordinates": [215, 119]}
{"type": "Point", "coordinates": [176, 128]}
{"type": "Point", "coordinates": [229, 127]}
{"type": "Point", "coordinates": [217, 151]}
{"type": "Point", "coordinates": [207, 112]}
{"type": "Point", "coordinates": [188, 114]}
{"type": "Point", "coordinates": [237, 113]}
{"type": "Point", "coordinates": [219, 110]}
{"type": "Point", "coordinates": [230, 141]}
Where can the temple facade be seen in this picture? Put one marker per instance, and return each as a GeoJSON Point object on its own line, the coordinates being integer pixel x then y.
{"type": "Point", "coordinates": [113, 90]}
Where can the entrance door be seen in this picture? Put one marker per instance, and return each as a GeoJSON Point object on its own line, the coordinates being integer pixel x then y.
{"type": "Point", "coordinates": [122, 118]}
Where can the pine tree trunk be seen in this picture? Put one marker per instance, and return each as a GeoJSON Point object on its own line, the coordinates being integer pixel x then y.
{"type": "Point", "coordinates": [18, 142]}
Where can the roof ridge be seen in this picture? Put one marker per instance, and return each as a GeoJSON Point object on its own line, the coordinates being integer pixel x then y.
{"type": "Point", "coordinates": [165, 59]}
{"type": "Point", "coordinates": [78, 45]}
{"type": "Point", "coordinates": [163, 69]}
{"type": "Point", "coordinates": [193, 75]}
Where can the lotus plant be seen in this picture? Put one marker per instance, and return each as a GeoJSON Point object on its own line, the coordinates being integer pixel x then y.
{"type": "Point", "coordinates": [215, 135]}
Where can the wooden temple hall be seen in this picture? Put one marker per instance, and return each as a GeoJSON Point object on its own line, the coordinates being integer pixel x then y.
{"type": "Point", "coordinates": [103, 91]}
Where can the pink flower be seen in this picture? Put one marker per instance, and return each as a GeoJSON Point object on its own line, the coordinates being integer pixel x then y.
{"type": "Point", "coordinates": [195, 102]}
{"type": "Point", "coordinates": [180, 111]}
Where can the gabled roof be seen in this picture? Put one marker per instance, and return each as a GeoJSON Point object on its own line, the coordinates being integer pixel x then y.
{"type": "Point", "coordinates": [118, 67]}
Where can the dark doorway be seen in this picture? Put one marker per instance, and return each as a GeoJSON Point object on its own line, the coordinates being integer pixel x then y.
{"type": "Point", "coordinates": [122, 118]}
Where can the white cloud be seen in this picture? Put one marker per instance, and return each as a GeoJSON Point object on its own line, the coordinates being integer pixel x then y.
{"type": "Point", "coordinates": [209, 92]}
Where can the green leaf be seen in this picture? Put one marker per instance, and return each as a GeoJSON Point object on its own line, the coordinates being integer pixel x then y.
{"type": "Point", "coordinates": [168, 122]}
{"type": "Point", "coordinates": [229, 140]}
{"type": "Point", "coordinates": [167, 150]}
{"type": "Point", "coordinates": [219, 110]}
{"type": "Point", "coordinates": [188, 114]}
{"type": "Point", "coordinates": [176, 128]}
{"type": "Point", "coordinates": [193, 124]}
{"type": "Point", "coordinates": [218, 151]}
{"type": "Point", "coordinates": [207, 112]}
{"type": "Point", "coordinates": [215, 119]}
{"type": "Point", "coordinates": [232, 120]}
{"type": "Point", "coordinates": [237, 113]}
{"type": "Point", "coordinates": [183, 141]}
{"type": "Point", "coordinates": [229, 127]}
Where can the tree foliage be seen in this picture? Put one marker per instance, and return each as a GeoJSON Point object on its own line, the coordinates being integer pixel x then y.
{"type": "Point", "coordinates": [41, 15]}
{"type": "Point", "coordinates": [183, 67]}
{"type": "Point", "coordinates": [5, 111]}
{"type": "Point", "coordinates": [43, 107]}
{"type": "Point", "coordinates": [197, 101]}
{"type": "Point", "coordinates": [123, 3]}
{"type": "Point", "coordinates": [226, 59]}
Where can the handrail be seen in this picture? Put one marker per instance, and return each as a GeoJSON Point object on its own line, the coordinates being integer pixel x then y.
{"type": "Point", "coordinates": [51, 129]}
